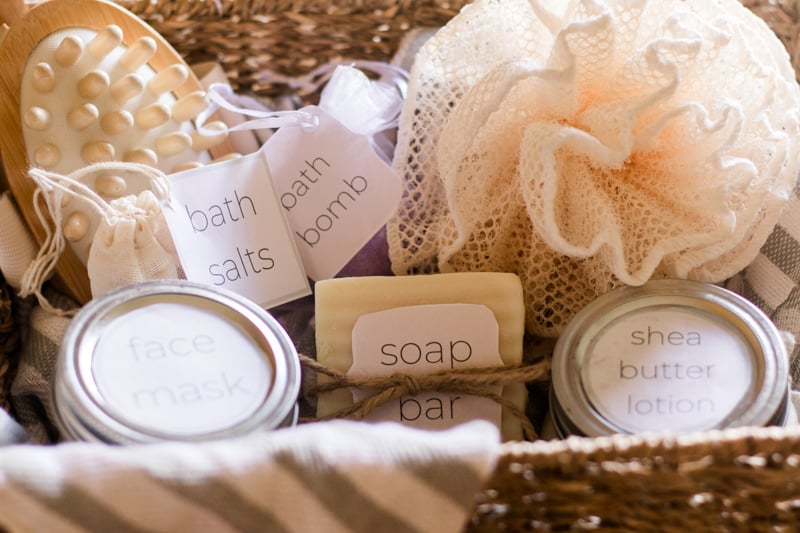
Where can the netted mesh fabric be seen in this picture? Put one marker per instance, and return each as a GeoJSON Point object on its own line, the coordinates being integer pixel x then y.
{"type": "Point", "coordinates": [585, 145]}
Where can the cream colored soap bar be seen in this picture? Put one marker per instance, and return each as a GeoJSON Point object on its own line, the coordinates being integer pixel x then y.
{"type": "Point", "coordinates": [340, 302]}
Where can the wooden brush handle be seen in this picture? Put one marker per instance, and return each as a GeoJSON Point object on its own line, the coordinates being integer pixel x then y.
{"type": "Point", "coordinates": [39, 22]}
{"type": "Point", "coordinates": [11, 10]}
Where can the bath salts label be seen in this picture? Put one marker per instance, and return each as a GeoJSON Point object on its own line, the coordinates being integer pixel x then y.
{"type": "Point", "coordinates": [179, 370]}
{"type": "Point", "coordinates": [667, 369]}
{"type": "Point", "coordinates": [335, 190]}
{"type": "Point", "coordinates": [418, 340]}
{"type": "Point", "coordinates": [230, 231]}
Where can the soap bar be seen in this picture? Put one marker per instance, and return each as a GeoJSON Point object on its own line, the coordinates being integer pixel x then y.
{"type": "Point", "coordinates": [341, 301]}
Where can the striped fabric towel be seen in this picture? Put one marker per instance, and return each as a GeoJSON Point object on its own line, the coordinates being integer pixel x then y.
{"type": "Point", "coordinates": [322, 477]}
{"type": "Point", "coordinates": [772, 281]}
{"type": "Point", "coordinates": [332, 476]}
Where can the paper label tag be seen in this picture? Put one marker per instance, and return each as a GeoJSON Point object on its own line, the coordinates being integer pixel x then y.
{"type": "Point", "coordinates": [335, 190]}
{"type": "Point", "coordinates": [417, 340]}
{"type": "Point", "coordinates": [667, 369]}
{"type": "Point", "coordinates": [230, 231]}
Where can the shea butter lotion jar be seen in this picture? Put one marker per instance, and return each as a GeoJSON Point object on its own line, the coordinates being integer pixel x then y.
{"type": "Point", "coordinates": [174, 361]}
{"type": "Point", "coordinates": [671, 355]}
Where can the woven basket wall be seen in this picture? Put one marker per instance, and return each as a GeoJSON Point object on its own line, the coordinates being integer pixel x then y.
{"type": "Point", "coordinates": [9, 343]}
{"type": "Point", "coordinates": [744, 480]}
{"type": "Point", "coordinates": [249, 38]}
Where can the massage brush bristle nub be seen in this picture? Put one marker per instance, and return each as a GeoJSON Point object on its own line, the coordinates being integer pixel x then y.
{"type": "Point", "coordinates": [188, 107]}
{"type": "Point", "coordinates": [47, 156]}
{"type": "Point", "coordinates": [105, 41]}
{"type": "Point", "coordinates": [152, 116]}
{"type": "Point", "coordinates": [92, 83]}
{"type": "Point", "coordinates": [168, 79]}
{"type": "Point", "coordinates": [43, 79]}
{"type": "Point", "coordinates": [82, 116]}
{"type": "Point", "coordinates": [68, 51]}
{"type": "Point", "coordinates": [110, 186]}
{"type": "Point", "coordinates": [116, 122]}
{"type": "Point", "coordinates": [138, 54]}
{"type": "Point", "coordinates": [105, 92]}
{"type": "Point", "coordinates": [96, 87]}
{"type": "Point", "coordinates": [37, 118]}
{"type": "Point", "coordinates": [127, 88]}
{"type": "Point", "coordinates": [144, 156]}
{"type": "Point", "coordinates": [76, 226]}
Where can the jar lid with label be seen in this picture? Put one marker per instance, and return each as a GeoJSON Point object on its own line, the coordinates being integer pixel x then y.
{"type": "Point", "coordinates": [174, 360]}
{"type": "Point", "coordinates": [671, 355]}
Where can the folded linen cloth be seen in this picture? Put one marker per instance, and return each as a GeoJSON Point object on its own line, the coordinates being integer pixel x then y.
{"type": "Point", "coordinates": [325, 476]}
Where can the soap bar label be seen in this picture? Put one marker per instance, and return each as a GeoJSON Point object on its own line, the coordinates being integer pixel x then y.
{"type": "Point", "coordinates": [667, 369]}
{"type": "Point", "coordinates": [419, 340]}
{"type": "Point", "coordinates": [179, 370]}
{"type": "Point", "coordinates": [335, 190]}
{"type": "Point", "coordinates": [230, 231]}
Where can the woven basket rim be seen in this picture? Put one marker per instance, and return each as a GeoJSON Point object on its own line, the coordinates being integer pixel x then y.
{"type": "Point", "coordinates": [651, 444]}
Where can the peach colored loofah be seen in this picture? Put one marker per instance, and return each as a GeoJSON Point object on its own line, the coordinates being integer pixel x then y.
{"type": "Point", "coordinates": [594, 145]}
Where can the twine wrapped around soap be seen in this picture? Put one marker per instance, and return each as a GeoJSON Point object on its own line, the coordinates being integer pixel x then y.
{"type": "Point", "coordinates": [472, 381]}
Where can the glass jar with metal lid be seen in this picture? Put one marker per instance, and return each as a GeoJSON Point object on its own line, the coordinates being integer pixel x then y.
{"type": "Point", "coordinates": [671, 355]}
{"type": "Point", "coordinates": [174, 360]}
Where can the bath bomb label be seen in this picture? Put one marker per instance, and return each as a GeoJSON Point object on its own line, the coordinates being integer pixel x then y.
{"type": "Point", "coordinates": [333, 187]}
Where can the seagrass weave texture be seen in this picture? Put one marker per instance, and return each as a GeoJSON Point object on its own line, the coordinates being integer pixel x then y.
{"type": "Point", "coordinates": [739, 480]}
{"type": "Point", "coordinates": [743, 480]}
{"type": "Point", "coordinates": [249, 37]}
{"type": "Point", "coordinates": [9, 342]}
{"type": "Point", "coordinates": [253, 38]}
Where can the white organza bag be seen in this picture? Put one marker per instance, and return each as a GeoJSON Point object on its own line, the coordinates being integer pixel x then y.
{"type": "Point", "coordinates": [589, 144]}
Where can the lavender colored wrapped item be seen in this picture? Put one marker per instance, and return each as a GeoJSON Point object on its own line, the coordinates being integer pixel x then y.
{"type": "Point", "coordinates": [371, 260]}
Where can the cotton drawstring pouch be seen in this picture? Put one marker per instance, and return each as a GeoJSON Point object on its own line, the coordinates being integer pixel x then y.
{"type": "Point", "coordinates": [130, 242]}
{"type": "Point", "coordinates": [133, 245]}
{"type": "Point", "coordinates": [589, 144]}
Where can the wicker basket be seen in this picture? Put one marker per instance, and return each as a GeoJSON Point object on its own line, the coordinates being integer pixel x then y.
{"type": "Point", "coordinates": [9, 343]}
{"type": "Point", "coordinates": [741, 480]}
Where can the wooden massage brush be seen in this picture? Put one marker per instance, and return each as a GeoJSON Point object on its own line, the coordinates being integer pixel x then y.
{"type": "Point", "coordinates": [86, 81]}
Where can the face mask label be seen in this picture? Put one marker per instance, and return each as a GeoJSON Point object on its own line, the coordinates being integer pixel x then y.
{"type": "Point", "coordinates": [179, 370]}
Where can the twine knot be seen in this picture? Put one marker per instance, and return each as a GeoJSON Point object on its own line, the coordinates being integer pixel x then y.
{"type": "Point", "coordinates": [407, 385]}
{"type": "Point", "coordinates": [482, 382]}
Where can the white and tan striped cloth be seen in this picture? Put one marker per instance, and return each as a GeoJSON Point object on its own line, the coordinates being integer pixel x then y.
{"type": "Point", "coordinates": [320, 477]}
{"type": "Point", "coordinates": [772, 280]}
{"type": "Point", "coordinates": [324, 476]}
